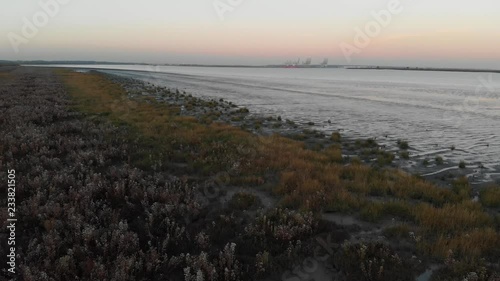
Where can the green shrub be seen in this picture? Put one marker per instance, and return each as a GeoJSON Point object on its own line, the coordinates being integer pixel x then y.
{"type": "Point", "coordinates": [404, 155]}
{"type": "Point", "coordinates": [439, 160]}
{"type": "Point", "coordinates": [402, 144]}
{"type": "Point", "coordinates": [462, 187]}
{"type": "Point", "coordinates": [384, 158]}
{"type": "Point", "coordinates": [368, 143]}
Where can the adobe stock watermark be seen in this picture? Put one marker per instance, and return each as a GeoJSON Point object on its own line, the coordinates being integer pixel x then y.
{"type": "Point", "coordinates": [484, 90]}
{"type": "Point", "coordinates": [48, 9]}
{"type": "Point", "coordinates": [12, 221]}
{"type": "Point", "coordinates": [222, 7]}
{"type": "Point", "coordinates": [213, 188]}
{"type": "Point", "coordinates": [372, 29]}
{"type": "Point", "coordinates": [153, 71]}
{"type": "Point", "coordinates": [323, 251]}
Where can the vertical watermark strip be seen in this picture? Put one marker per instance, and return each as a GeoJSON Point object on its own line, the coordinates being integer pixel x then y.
{"type": "Point", "coordinates": [11, 221]}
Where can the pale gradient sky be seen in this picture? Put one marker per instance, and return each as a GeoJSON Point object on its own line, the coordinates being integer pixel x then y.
{"type": "Point", "coordinates": [438, 33]}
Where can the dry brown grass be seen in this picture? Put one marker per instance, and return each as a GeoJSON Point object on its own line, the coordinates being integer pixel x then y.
{"type": "Point", "coordinates": [452, 218]}
{"type": "Point", "coordinates": [471, 244]}
{"type": "Point", "coordinates": [490, 196]}
{"type": "Point", "coordinates": [208, 147]}
{"type": "Point", "coordinates": [463, 228]}
{"type": "Point", "coordinates": [4, 76]}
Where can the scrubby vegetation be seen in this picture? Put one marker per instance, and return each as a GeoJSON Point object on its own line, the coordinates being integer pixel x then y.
{"type": "Point", "coordinates": [490, 197]}
{"type": "Point", "coordinates": [336, 137]}
{"type": "Point", "coordinates": [112, 188]}
{"type": "Point", "coordinates": [404, 155]}
{"type": "Point", "coordinates": [88, 211]}
{"type": "Point", "coordinates": [402, 144]}
{"type": "Point", "coordinates": [439, 160]}
{"type": "Point", "coordinates": [372, 262]}
{"type": "Point", "coordinates": [243, 201]}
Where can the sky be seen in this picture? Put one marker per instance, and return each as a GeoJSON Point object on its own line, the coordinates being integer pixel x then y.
{"type": "Point", "coordinates": [424, 33]}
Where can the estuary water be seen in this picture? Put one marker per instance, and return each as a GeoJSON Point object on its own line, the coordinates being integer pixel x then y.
{"type": "Point", "coordinates": [433, 111]}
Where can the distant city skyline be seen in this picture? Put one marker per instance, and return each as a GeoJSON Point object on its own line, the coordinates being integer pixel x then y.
{"type": "Point", "coordinates": [422, 33]}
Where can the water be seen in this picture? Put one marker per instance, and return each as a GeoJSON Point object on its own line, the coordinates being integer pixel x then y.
{"type": "Point", "coordinates": [432, 110]}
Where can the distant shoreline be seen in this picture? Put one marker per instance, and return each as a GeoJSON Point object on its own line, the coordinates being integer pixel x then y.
{"type": "Point", "coordinates": [350, 67]}
{"type": "Point", "coordinates": [426, 69]}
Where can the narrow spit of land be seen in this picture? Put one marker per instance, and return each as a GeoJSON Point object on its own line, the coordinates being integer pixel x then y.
{"type": "Point", "coordinates": [425, 69]}
{"type": "Point", "coordinates": [115, 182]}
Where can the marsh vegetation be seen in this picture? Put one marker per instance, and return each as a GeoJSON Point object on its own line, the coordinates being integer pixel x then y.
{"type": "Point", "coordinates": [112, 188]}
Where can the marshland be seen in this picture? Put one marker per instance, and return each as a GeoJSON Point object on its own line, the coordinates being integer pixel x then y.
{"type": "Point", "coordinates": [121, 179]}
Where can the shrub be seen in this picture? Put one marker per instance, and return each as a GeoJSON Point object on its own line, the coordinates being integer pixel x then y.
{"type": "Point", "coordinates": [404, 155]}
{"type": "Point", "coordinates": [243, 201]}
{"type": "Point", "coordinates": [336, 137]}
{"type": "Point", "coordinates": [384, 158]}
{"type": "Point", "coordinates": [439, 160]}
{"type": "Point", "coordinates": [402, 144]}
{"type": "Point", "coordinates": [224, 268]}
{"type": "Point", "coordinates": [369, 143]}
{"type": "Point", "coordinates": [372, 262]}
{"type": "Point", "coordinates": [465, 270]}
{"type": "Point", "coordinates": [334, 153]}
{"type": "Point", "coordinates": [282, 226]}
{"type": "Point", "coordinates": [243, 110]}
{"type": "Point", "coordinates": [356, 161]}
{"type": "Point", "coordinates": [490, 196]}
{"type": "Point", "coordinates": [372, 212]}
{"type": "Point", "coordinates": [462, 188]}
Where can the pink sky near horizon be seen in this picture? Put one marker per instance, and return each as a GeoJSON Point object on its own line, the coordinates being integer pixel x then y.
{"type": "Point", "coordinates": [258, 32]}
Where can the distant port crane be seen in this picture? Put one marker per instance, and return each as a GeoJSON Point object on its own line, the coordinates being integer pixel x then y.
{"type": "Point", "coordinates": [324, 63]}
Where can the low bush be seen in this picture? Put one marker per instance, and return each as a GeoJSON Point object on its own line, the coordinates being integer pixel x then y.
{"type": "Point", "coordinates": [490, 196]}
{"type": "Point", "coordinates": [336, 137]}
{"type": "Point", "coordinates": [439, 160]}
{"type": "Point", "coordinates": [402, 144]}
{"type": "Point", "coordinates": [404, 155]}
{"type": "Point", "coordinates": [372, 262]}
{"type": "Point", "coordinates": [243, 201]}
